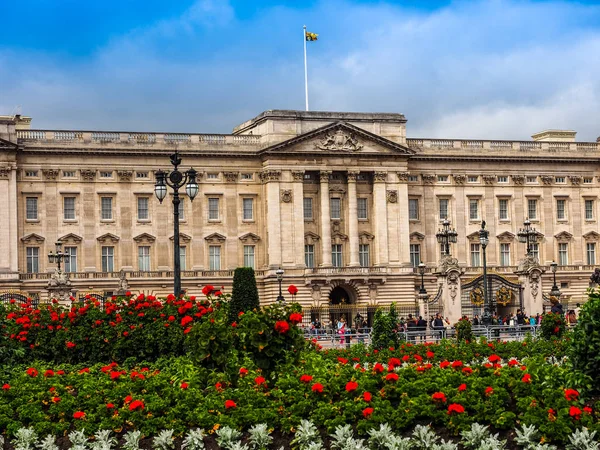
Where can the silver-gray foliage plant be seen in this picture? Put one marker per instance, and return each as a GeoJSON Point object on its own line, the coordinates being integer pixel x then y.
{"type": "Point", "coordinates": [25, 439]}
{"type": "Point", "coordinates": [79, 440]}
{"type": "Point", "coordinates": [583, 440]}
{"type": "Point", "coordinates": [132, 440]}
{"type": "Point", "coordinates": [474, 437]}
{"type": "Point", "coordinates": [227, 437]}
{"type": "Point", "coordinates": [194, 440]}
{"type": "Point", "coordinates": [164, 440]}
{"type": "Point", "coordinates": [260, 436]}
{"type": "Point", "coordinates": [48, 443]}
{"type": "Point", "coordinates": [307, 436]}
{"type": "Point", "coordinates": [424, 437]}
{"type": "Point", "coordinates": [104, 440]}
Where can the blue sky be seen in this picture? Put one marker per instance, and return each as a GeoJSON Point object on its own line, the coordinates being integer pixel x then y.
{"type": "Point", "coordinates": [479, 69]}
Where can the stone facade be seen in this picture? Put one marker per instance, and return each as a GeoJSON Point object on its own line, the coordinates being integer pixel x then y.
{"type": "Point", "coordinates": [347, 193]}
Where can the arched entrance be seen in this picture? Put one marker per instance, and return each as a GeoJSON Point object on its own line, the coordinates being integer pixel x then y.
{"type": "Point", "coordinates": [339, 296]}
{"type": "Point", "coordinates": [342, 306]}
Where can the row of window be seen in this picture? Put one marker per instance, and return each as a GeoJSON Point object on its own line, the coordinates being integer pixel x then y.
{"type": "Point", "coordinates": [140, 175]}
{"type": "Point", "coordinates": [144, 264]}
{"type": "Point", "coordinates": [505, 249]}
{"type": "Point", "coordinates": [335, 208]}
{"type": "Point", "coordinates": [503, 209]}
{"type": "Point", "coordinates": [143, 209]}
{"type": "Point", "coordinates": [501, 179]}
{"type": "Point", "coordinates": [337, 257]}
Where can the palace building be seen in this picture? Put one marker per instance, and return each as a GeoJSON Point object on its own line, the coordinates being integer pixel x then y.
{"type": "Point", "coordinates": [345, 203]}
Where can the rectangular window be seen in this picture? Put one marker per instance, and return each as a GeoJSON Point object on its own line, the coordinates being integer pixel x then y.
{"type": "Point", "coordinates": [108, 259]}
{"type": "Point", "coordinates": [105, 174]}
{"type": "Point", "coordinates": [336, 255]}
{"type": "Point", "coordinates": [415, 255]}
{"type": "Point", "coordinates": [363, 255]}
{"type": "Point", "coordinates": [213, 209]}
{"type": "Point", "coordinates": [68, 174]}
{"type": "Point", "coordinates": [106, 208]}
{"type": "Point", "coordinates": [69, 208]}
{"type": "Point", "coordinates": [249, 256]}
{"type": "Point", "coordinates": [532, 209]}
{"type": "Point", "coordinates": [473, 209]}
{"type": "Point", "coordinates": [336, 208]}
{"type": "Point", "coordinates": [443, 208]}
{"type": "Point", "coordinates": [472, 179]}
{"type": "Point", "coordinates": [248, 207]}
{"type": "Point", "coordinates": [563, 254]}
{"type": "Point", "coordinates": [214, 257]}
{"type": "Point", "coordinates": [589, 210]}
{"type": "Point", "coordinates": [531, 180]}
{"type": "Point", "coordinates": [309, 255]}
{"type": "Point", "coordinates": [142, 208]}
{"type": "Point", "coordinates": [502, 179]}
{"type": "Point", "coordinates": [33, 259]}
{"type": "Point", "coordinates": [31, 173]}
{"type": "Point", "coordinates": [475, 255]}
{"type": "Point", "coordinates": [561, 213]}
{"type": "Point", "coordinates": [535, 251]}
{"type": "Point", "coordinates": [246, 176]}
{"type": "Point", "coordinates": [71, 259]}
{"type": "Point", "coordinates": [561, 180]}
{"type": "Point", "coordinates": [413, 178]}
{"type": "Point", "coordinates": [144, 258]}
{"type": "Point", "coordinates": [588, 180]}
{"type": "Point", "coordinates": [361, 208]}
{"type": "Point", "coordinates": [182, 257]}
{"type": "Point", "coordinates": [505, 254]}
{"type": "Point", "coordinates": [591, 253]}
{"type": "Point", "coordinates": [212, 176]}
{"type": "Point", "coordinates": [442, 178]}
{"type": "Point", "coordinates": [307, 203]}
{"type": "Point", "coordinates": [181, 210]}
{"type": "Point", "coordinates": [31, 207]}
{"type": "Point", "coordinates": [141, 175]}
{"type": "Point", "coordinates": [413, 209]}
{"type": "Point", "coordinates": [503, 209]}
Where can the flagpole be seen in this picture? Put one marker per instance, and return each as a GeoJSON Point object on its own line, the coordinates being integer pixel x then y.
{"type": "Point", "coordinates": [305, 71]}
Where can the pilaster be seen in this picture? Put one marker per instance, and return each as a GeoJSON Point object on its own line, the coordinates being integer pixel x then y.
{"type": "Point", "coordinates": [353, 218]}
{"type": "Point", "coordinates": [271, 178]}
{"type": "Point", "coordinates": [380, 226]}
{"type": "Point", "coordinates": [298, 222]}
{"type": "Point", "coordinates": [325, 219]}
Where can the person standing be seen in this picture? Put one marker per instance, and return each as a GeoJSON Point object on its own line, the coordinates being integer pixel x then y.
{"type": "Point", "coordinates": [341, 329]}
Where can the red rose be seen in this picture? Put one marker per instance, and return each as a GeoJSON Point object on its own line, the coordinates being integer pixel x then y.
{"type": "Point", "coordinates": [467, 370]}
{"type": "Point", "coordinates": [70, 345]}
{"type": "Point", "coordinates": [135, 405]}
{"type": "Point", "coordinates": [282, 326]}
{"type": "Point", "coordinates": [378, 368]}
{"type": "Point", "coordinates": [367, 396]}
{"type": "Point", "coordinates": [367, 412]}
{"type": "Point", "coordinates": [494, 359]}
{"type": "Point", "coordinates": [526, 378]}
{"type": "Point", "coordinates": [462, 387]}
{"type": "Point", "coordinates": [6, 387]}
{"type": "Point", "coordinates": [513, 363]}
{"type": "Point", "coordinates": [184, 385]}
{"type": "Point", "coordinates": [206, 290]}
{"type": "Point", "coordinates": [79, 415]}
{"type": "Point", "coordinates": [32, 372]}
{"type": "Point", "coordinates": [230, 404]}
{"type": "Point", "coordinates": [292, 289]}
{"type": "Point", "coordinates": [185, 320]}
{"type": "Point", "coordinates": [351, 386]}
{"type": "Point", "coordinates": [457, 364]}
{"type": "Point", "coordinates": [170, 297]}
{"type": "Point", "coordinates": [295, 318]}
{"type": "Point", "coordinates": [571, 394]}
{"type": "Point", "coordinates": [575, 412]}
{"type": "Point", "coordinates": [114, 375]}
{"type": "Point", "coordinates": [243, 371]}
{"type": "Point", "coordinates": [317, 387]}
{"type": "Point", "coordinates": [306, 378]}
{"type": "Point", "coordinates": [455, 408]}
{"type": "Point", "coordinates": [444, 364]}
{"type": "Point", "coordinates": [489, 391]}
{"type": "Point", "coordinates": [109, 406]}
{"type": "Point", "coordinates": [439, 397]}
{"type": "Point", "coordinates": [259, 380]}
{"type": "Point", "coordinates": [430, 354]}
{"type": "Point", "coordinates": [391, 377]}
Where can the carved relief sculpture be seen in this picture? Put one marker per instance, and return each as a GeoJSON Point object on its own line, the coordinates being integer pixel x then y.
{"type": "Point", "coordinates": [125, 175]}
{"type": "Point", "coordinates": [298, 175]}
{"type": "Point", "coordinates": [518, 179]}
{"type": "Point", "coordinates": [286, 195]}
{"type": "Point", "coordinates": [231, 177]}
{"type": "Point", "coordinates": [453, 278]}
{"type": "Point", "coordinates": [460, 179]}
{"type": "Point", "coordinates": [403, 177]}
{"type": "Point", "coordinates": [534, 283]}
{"type": "Point", "coordinates": [4, 173]}
{"type": "Point", "coordinates": [339, 140]}
{"type": "Point", "coordinates": [379, 177]}
{"type": "Point", "coordinates": [88, 174]}
{"type": "Point", "coordinates": [392, 196]}
{"type": "Point", "coordinates": [352, 174]}
{"type": "Point", "coordinates": [547, 180]}
{"type": "Point", "coordinates": [269, 175]}
{"type": "Point", "coordinates": [324, 175]}
{"type": "Point", "coordinates": [489, 179]}
{"type": "Point", "coordinates": [428, 178]}
{"type": "Point", "coordinates": [50, 174]}
{"type": "Point", "coordinates": [575, 180]}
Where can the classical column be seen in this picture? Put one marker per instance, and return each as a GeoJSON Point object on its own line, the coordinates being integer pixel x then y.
{"type": "Point", "coordinates": [380, 227]}
{"type": "Point", "coordinates": [271, 179]}
{"type": "Point", "coordinates": [298, 222]}
{"type": "Point", "coordinates": [8, 229]}
{"type": "Point", "coordinates": [325, 219]}
{"type": "Point", "coordinates": [353, 218]}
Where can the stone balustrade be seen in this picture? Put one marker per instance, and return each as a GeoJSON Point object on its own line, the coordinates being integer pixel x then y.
{"type": "Point", "coordinates": [509, 146]}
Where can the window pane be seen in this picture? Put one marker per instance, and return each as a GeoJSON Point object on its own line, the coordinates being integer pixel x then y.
{"type": "Point", "coordinates": [503, 209]}
{"type": "Point", "coordinates": [336, 255]}
{"type": "Point", "coordinates": [589, 209]}
{"type": "Point", "coordinates": [475, 259]}
{"type": "Point", "coordinates": [473, 209]}
{"type": "Point", "coordinates": [309, 255]}
{"type": "Point", "coordinates": [33, 259]}
{"type": "Point", "coordinates": [213, 209]}
{"type": "Point", "coordinates": [31, 208]}
{"type": "Point", "coordinates": [591, 253]}
{"type": "Point", "coordinates": [308, 208]}
{"type": "Point", "coordinates": [535, 250]}
{"type": "Point", "coordinates": [560, 209]}
{"type": "Point", "coordinates": [248, 207]}
{"type": "Point", "coordinates": [249, 256]}
{"type": "Point", "coordinates": [181, 210]}
{"type": "Point", "coordinates": [143, 208]}
{"type": "Point", "coordinates": [532, 209]}
{"type": "Point", "coordinates": [363, 255]}
{"type": "Point", "coordinates": [443, 208]}
{"type": "Point", "coordinates": [361, 204]}
{"type": "Point", "coordinates": [106, 208]}
{"type": "Point", "coordinates": [69, 208]}
{"type": "Point", "coordinates": [71, 259]}
{"type": "Point", "coordinates": [108, 255]}
{"type": "Point", "coordinates": [415, 255]}
{"type": "Point", "coordinates": [413, 209]}
{"type": "Point", "coordinates": [336, 206]}
{"type": "Point", "coordinates": [144, 258]}
{"type": "Point", "coordinates": [563, 254]}
{"type": "Point", "coordinates": [182, 258]}
{"type": "Point", "coordinates": [505, 254]}
{"type": "Point", "coordinates": [214, 252]}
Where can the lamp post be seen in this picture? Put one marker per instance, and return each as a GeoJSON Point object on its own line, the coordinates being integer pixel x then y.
{"type": "Point", "coordinates": [446, 236]}
{"type": "Point", "coordinates": [279, 272]}
{"type": "Point", "coordinates": [57, 257]}
{"type": "Point", "coordinates": [423, 291]}
{"type": "Point", "coordinates": [176, 179]}
{"type": "Point", "coordinates": [484, 240]}
{"type": "Point", "coordinates": [527, 235]}
{"type": "Point", "coordinates": [555, 291]}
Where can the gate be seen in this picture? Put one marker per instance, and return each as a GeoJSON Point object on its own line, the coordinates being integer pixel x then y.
{"type": "Point", "coordinates": [18, 296]}
{"type": "Point", "coordinates": [100, 296]}
{"type": "Point", "coordinates": [505, 296]}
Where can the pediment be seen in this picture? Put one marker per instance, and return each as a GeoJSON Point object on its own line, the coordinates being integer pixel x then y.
{"type": "Point", "coordinates": [108, 237]}
{"type": "Point", "coordinates": [33, 238]}
{"type": "Point", "coordinates": [563, 236]}
{"type": "Point", "coordinates": [144, 237]}
{"type": "Point", "coordinates": [249, 237]}
{"type": "Point", "coordinates": [591, 236]}
{"type": "Point", "coordinates": [4, 144]}
{"type": "Point", "coordinates": [416, 236]}
{"type": "Point", "coordinates": [310, 237]}
{"type": "Point", "coordinates": [70, 238]}
{"type": "Point", "coordinates": [339, 137]}
{"type": "Point", "coordinates": [506, 236]}
{"type": "Point", "coordinates": [182, 237]}
{"type": "Point", "coordinates": [215, 237]}
{"type": "Point", "coordinates": [365, 237]}
{"type": "Point", "coordinates": [473, 237]}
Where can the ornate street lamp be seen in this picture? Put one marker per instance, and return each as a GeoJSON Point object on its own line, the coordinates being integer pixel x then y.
{"type": "Point", "coordinates": [422, 290]}
{"type": "Point", "coordinates": [279, 272]}
{"type": "Point", "coordinates": [176, 180]}
{"type": "Point", "coordinates": [57, 257]}
{"type": "Point", "coordinates": [446, 236]}
{"type": "Point", "coordinates": [555, 291]}
{"type": "Point", "coordinates": [527, 235]}
{"type": "Point", "coordinates": [484, 240]}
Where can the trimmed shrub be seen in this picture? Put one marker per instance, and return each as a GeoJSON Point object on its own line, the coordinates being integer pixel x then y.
{"type": "Point", "coordinates": [585, 346]}
{"type": "Point", "coordinates": [464, 331]}
{"type": "Point", "coordinates": [384, 333]}
{"type": "Point", "coordinates": [244, 294]}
